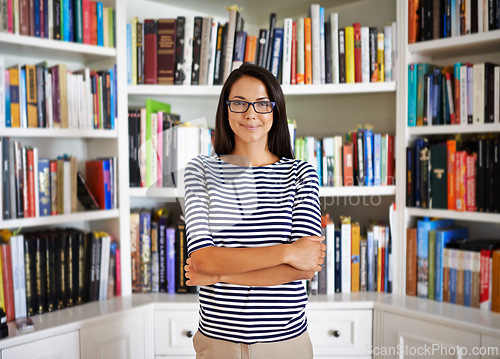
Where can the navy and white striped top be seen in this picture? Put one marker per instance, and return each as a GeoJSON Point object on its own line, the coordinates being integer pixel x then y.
{"type": "Point", "coordinates": [232, 206]}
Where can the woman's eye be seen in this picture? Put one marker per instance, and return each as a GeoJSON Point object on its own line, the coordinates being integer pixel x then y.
{"type": "Point", "coordinates": [238, 103]}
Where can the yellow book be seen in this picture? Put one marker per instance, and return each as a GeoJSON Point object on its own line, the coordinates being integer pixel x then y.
{"type": "Point", "coordinates": [380, 56]}
{"type": "Point", "coordinates": [14, 96]}
{"type": "Point", "coordinates": [133, 26]}
{"type": "Point", "coordinates": [31, 98]}
{"type": "Point", "coordinates": [349, 54]}
{"type": "Point", "coordinates": [355, 242]}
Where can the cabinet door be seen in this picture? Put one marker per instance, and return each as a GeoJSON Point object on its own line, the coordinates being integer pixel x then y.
{"type": "Point", "coordinates": [115, 338]}
{"type": "Point", "coordinates": [410, 338]}
{"type": "Point", "coordinates": [490, 347]}
{"type": "Point", "coordinates": [174, 331]}
{"type": "Point", "coordinates": [64, 346]}
{"type": "Point", "coordinates": [335, 332]}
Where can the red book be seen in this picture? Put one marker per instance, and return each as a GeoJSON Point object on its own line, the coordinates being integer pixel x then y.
{"type": "Point", "coordinates": [166, 51]}
{"type": "Point", "coordinates": [357, 52]}
{"type": "Point", "coordinates": [293, 73]}
{"type": "Point", "coordinates": [93, 23]}
{"type": "Point", "coordinates": [470, 200]}
{"type": "Point", "coordinates": [94, 175]}
{"type": "Point", "coordinates": [86, 21]}
{"type": "Point", "coordinates": [452, 148]}
{"type": "Point", "coordinates": [348, 164]}
{"type": "Point", "coordinates": [150, 53]}
{"type": "Point", "coordinates": [24, 17]}
{"type": "Point", "coordinates": [8, 284]}
{"type": "Point", "coordinates": [53, 188]}
{"type": "Point", "coordinates": [42, 12]}
{"type": "Point", "coordinates": [460, 180]}
{"type": "Point", "coordinates": [484, 279]}
{"type": "Point", "coordinates": [391, 174]}
{"type": "Point", "coordinates": [31, 184]}
{"type": "Point", "coordinates": [31, 12]}
{"type": "Point", "coordinates": [10, 17]}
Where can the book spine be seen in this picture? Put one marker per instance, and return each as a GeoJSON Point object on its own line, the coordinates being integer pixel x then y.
{"type": "Point", "coordinates": [357, 52]}
{"type": "Point", "coordinates": [342, 57]}
{"type": "Point", "coordinates": [196, 55]}
{"type": "Point", "coordinates": [150, 52]}
{"type": "Point", "coordinates": [300, 52]}
{"type": "Point", "coordinates": [349, 54]}
{"type": "Point", "coordinates": [308, 60]}
{"type": "Point", "coordinates": [277, 52]}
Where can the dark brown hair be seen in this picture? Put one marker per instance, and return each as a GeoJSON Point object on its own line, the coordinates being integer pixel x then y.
{"type": "Point", "coordinates": [278, 140]}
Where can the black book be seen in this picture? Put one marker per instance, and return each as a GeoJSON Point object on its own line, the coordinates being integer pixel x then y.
{"type": "Point", "coordinates": [195, 67]}
{"type": "Point", "coordinates": [218, 55]}
{"type": "Point", "coordinates": [179, 50]}
{"type": "Point", "coordinates": [180, 259]}
{"type": "Point", "coordinates": [57, 19]}
{"type": "Point", "coordinates": [360, 178]}
{"type": "Point", "coordinates": [262, 47]}
{"type": "Point", "coordinates": [270, 40]}
{"type": "Point", "coordinates": [488, 175]}
{"type": "Point", "coordinates": [492, 9]}
{"type": "Point", "coordinates": [426, 20]}
{"type": "Point", "coordinates": [424, 163]}
{"type": "Point", "coordinates": [30, 275]}
{"type": "Point", "coordinates": [410, 178]}
{"type": "Point", "coordinates": [140, 53]}
{"type": "Point", "coordinates": [40, 244]}
{"type": "Point", "coordinates": [89, 258]}
{"type": "Point", "coordinates": [82, 266]}
{"type": "Point", "coordinates": [372, 39]}
{"type": "Point", "coordinates": [97, 267]}
{"type": "Point", "coordinates": [106, 96]}
{"type": "Point", "coordinates": [328, 53]}
{"type": "Point", "coordinates": [342, 78]}
{"type": "Point", "coordinates": [51, 272]}
{"type": "Point", "coordinates": [496, 175]}
{"type": "Point", "coordinates": [473, 16]}
{"type": "Point", "coordinates": [489, 92]}
{"type": "Point", "coordinates": [84, 195]}
{"type": "Point", "coordinates": [439, 176]}
{"type": "Point", "coordinates": [447, 18]}
{"type": "Point", "coordinates": [5, 178]}
{"type": "Point", "coordinates": [162, 251]}
{"type": "Point", "coordinates": [220, 64]}
{"type": "Point", "coordinates": [338, 262]}
{"type": "Point", "coordinates": [60, 269]}
{"type": "Point", "coordinates": [72, 269]}
{"type": "Point", "coordinates": [19, 181]}
{"type": "Point", "coordinates": [480, 170]}
{"type": "Point", "coordinates": [428, 79]}
{"type": "Point", "coordinates": [437, 16]}
{"type": "Point", "coordinates": [41, 70]}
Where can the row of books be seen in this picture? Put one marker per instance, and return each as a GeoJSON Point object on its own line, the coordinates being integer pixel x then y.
{"type": "Point", "coordinates": [36, 187]}
{"type": "Point", "coordinates": [160, 146]}
{"type": "Point", "coordinates": [158, 252]}
{"type": "Point", "coordinates": [453, 175]}
{"type": "Point", "coordinates": [354, 262]}
{"type": "Point", "coordinates": [361, 158]}
{"type": "Point", "coordinates": [53, 269]}
{"type": "Point", "coordinates": [443, 264]}
{"type": "Point", "coordinates": [201, 51]}
{"type": "Point", "coordinates": [38, 96]}
{"type": "Point", "coordinates": [81, 21]}
{"type": "Point", "coordinates": [429, 20]}
{"type": "Point", "coordinates": [464, 93]}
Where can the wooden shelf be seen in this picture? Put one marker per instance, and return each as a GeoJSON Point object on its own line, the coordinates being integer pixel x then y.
{"type": "Point", "coordinates": [453, 129]}
{"type": "Point", "coordinates": [29, 46]}
{"type": "Point", "coordinates": [457, 215]}
{"type": "Point", "coordinates": [480, 43]}
{"type": "Point", "coordinates": [60, 219]}
{"type": "Point", "coordinates": [302, 90]}
{"type": "Point", "coordinates": [58, 133]}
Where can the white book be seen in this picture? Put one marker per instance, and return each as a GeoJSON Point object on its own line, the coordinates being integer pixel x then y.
{"type": "Point", "coordinates": [334, 20]}
{"type": "Point", "coordinates": [2, 93]}
{"type": "Point", "coordinates": [16, 17]}
{"type": "Point", "coordinates": [228, 60]}
{"type": "Point", "coordinates": [24, 164]}
{"type": "Point", "coordinates": [480, 16]}
{"type": "Point", "coordinates": [330, 258]}
{"type": "Point", "coordinates": [315, 44]}
{"type": "Point", "coordinates": [486, 25]}
{"type": "Point", "coordinates": [463, 94]}
{"type": "Point", "coordinates": [206, 31]}
{"type": "Point", "coordinates": [37, 182]}
{"type": "Point", "coordinates": [48, 100]}
{"type": "Point", "coordinates": [104, 268]}
{"type": "Point", "coordinates": [212, 51]}
{"type": "Point", "coordinates": [478, 91]}
{"type": "Point", "coordinates": [310, 151]}
{"type": "Point", "coordinates": [322, 43]}
{"type": "Point", "coordinates": [329, 151]}
{"type": "Point", "coordinates": [337, 160]}
{"type": "Point", "coordinates": [154, 149]}
{"type": "Point", "coordinates": [345, 239]}
{"type": "Point", "coordinates": [19, 276]}
{"type": "Point", "coordinates": [188, 50]}
{"type": "Point", "coordinates": [300, 51]}
{"type": "Point", "coordinates": [387, 53]}
{"type": "Point", "coordinates": [287, 51]}
{"type": "Point", "coordinates": [496, 95]}
{"type": "Point", "coordinates": [365, 54]}
{"type": "Point", "coordinates": [50, 19]}
{"type": "Point", "coordinates": [467, 16]}
{"type": "Point", "coordinates": [67, 187]}
{"type": "Point", "coordinates": [22, 99]}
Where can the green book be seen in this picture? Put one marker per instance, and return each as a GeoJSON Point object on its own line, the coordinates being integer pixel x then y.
{"type": "Point", "coordinates": [432, 265]}
{"type": "Point", "coordinates": [111, 27]}
{"type": "Point", "coordinates": [78, 20]}
{"type": "Point", "coordinates": [152, 106]}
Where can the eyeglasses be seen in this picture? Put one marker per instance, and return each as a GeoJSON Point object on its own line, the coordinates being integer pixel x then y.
{"type": "Point", "coordinates": [259, 106]}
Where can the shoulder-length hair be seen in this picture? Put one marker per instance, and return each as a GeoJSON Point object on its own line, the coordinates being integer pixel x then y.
{"type": "Point", "coordinates": [278, 140]}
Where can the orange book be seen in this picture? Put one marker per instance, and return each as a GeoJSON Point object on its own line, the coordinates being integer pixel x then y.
{"type": "Point", "coordinates": [250, 49]}
{"type": "Point", "coordinates": [355, 251]}
{"type": "Point", "coordinates": [495, 281]}
{"type": "Point", "coordinates": [31, 98]}
{"type": "Point", "coordinates": [470, 190]}
{"type": "Point", "coordinates": [411, 261]}
{"type": "Point", "coordinates": [349, 54]}
{"type": "Point", "coordinates": [15, 111]}
{"type": "Point", "coordinates": [307, 51]}
{"type": "Point", "coordinates": [413, 21]}
{"type": "Point", "coordinates": [348, 164]}
{"type": "Point", "coordinates": [452, 148]}
{"type": "Point", "coordinates": [460, 179]}
{"type": "Point", "coordinates": [93, 23]}
{"type": "Point", "coordinates": [8, 285]}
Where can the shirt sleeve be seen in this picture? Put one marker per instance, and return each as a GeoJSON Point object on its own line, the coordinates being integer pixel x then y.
{"type": "Point", "coordinates": [306, 212]}
{"type": "Point", "coordinates": [196, 202]}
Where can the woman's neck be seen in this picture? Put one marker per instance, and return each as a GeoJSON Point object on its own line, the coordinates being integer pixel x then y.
{"type": "Point", "coordinates": [251, 156]}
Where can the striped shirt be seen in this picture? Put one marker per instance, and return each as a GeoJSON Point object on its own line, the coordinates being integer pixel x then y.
{"type": "Point", "coordinates": [232, 206]}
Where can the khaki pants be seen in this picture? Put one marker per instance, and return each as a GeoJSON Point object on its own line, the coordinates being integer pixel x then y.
{"type": "Point", "coordinates": [296, 348]}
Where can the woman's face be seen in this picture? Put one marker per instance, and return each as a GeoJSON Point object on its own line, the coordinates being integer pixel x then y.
{"type": "Point", "coordinates": [249, 126]}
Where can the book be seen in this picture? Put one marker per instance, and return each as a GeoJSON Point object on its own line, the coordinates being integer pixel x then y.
{"type": "Point", "coordinates": [85, 195]}
{"type": "Point", "coordinates": [150, 51]}
{"type": "Point", "coordinates": [411, 261]}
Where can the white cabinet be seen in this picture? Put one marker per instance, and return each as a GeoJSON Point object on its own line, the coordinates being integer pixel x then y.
{"type": "Point", "coordinates": [116, 337]}
{"type": "Point", "coordinates": [64, 346]}
{"type": "Point", "coordinates": [340, 332]}
{"type": "Point", "coordinates": [411, 338]}
{"type": "Point", "coordinates": [490, 347]}
{"type": "Point", "coordinates": [174, 331]}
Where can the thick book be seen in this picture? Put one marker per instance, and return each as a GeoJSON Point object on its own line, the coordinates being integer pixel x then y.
{"type": "Point", "coordinates": [261, 47]}
{"type": "Point", "coordinates": [410, 177]}
{"type": "Point", "coordinates": [170, 262]}
{"type": "Point", "coordinates": [277, 51]}
{"type": "Point", "coordinates": [84, 194]}
{"type": "Point", "coordinates": [150, 52]}
{"type": "Point", "coordinates": [166, 51]}
{"type": "Point", "coordinates": [31, 97]}
{"type": "Point", "coordinates": [439, 176]}
{"type": "Point", "coordinates": [7, 277]}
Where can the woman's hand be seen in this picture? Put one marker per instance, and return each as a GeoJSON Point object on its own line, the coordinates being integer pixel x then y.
{"type": "Point", "coordinates": [195, 278]}
{"type": "Point", "coordinates": [307, 253]}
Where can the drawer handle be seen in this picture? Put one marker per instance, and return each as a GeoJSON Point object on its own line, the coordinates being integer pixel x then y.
{"type": "Point", "coordinates": [336, 333]}
{"type": "Point", "coordinates": [189, 334]}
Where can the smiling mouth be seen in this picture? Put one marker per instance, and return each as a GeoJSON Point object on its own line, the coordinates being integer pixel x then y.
{"type": "Point", "coordinates": [250, 127]}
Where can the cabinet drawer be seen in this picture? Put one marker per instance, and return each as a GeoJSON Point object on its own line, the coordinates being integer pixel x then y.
{"type": "Point", "coordinates": [64, 346]}
{"type": "Point", "coordinates": [335, 332]}
{"type": "Point", "coordinates": [174, 331]}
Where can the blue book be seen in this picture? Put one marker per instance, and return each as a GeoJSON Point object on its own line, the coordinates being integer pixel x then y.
{"type": "Point", "coordinates": [338, 262]}
{"type": "Point", "coordinates": [412, 95]}
{"type": "Point", "coordinates": [8, 119]}
{"type": "Point", "coordinates": [46, 17]}
{"type": "Point", "coordinates": [100, 24]}
{"type": "Point", "coordinates": [467, 277]}
{"type": "Point", "coordinates": [453, 274]}
{"type": "Point", "coordinates": [419, 144]}
{"type": "Point", "coordinates": [430, 96]}
{"type": "Point", "coordinates": [443, 237]}
{"type": "Point", "coordinates": [370, 254]}
{"type": "Point", "coordinates": [170, 260]}
{"type": "Point", "coordinates": [162, 251]}
{"type": "Point", "coordinates": [368, 157]}
{"type": "Point", "coordinates": [70, 23]}
{"type": "Point", "coordinates": [423, 228]}
{"type": "Point", "coordinates": [436, 98]}
{"type": "Point", "coordinates": [107, 184]}
{"type": "Point", "coordinates": [36, 12]}
{"type": "Point", "coordinates": [44, 186]}
{"type": "Point", "coordinates": [319, 160]}
{"type": "Point", "coordinates": [276, 52]}
{"type": "Point", "coordinates": [386, 260]}
{"type": "Point", "coordinates": [145, 250]}
{"type": "Point", "coordinates": [65, 33]}
{"type": "Point", "coordinates": [377, 162]}
{"type": "Point", "coordinates": [129, 55]}
{"type": "Point", "coordinates": [322, 42]}
{"type": "Point", "coordinates": [22, 99]}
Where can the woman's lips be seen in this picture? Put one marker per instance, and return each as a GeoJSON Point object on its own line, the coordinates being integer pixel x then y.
{"type": "Point", "coordinates": [250, 127]}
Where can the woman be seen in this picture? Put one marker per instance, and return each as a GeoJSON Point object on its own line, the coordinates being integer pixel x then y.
{"type": "Point", "coordinates": [253, 224]}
